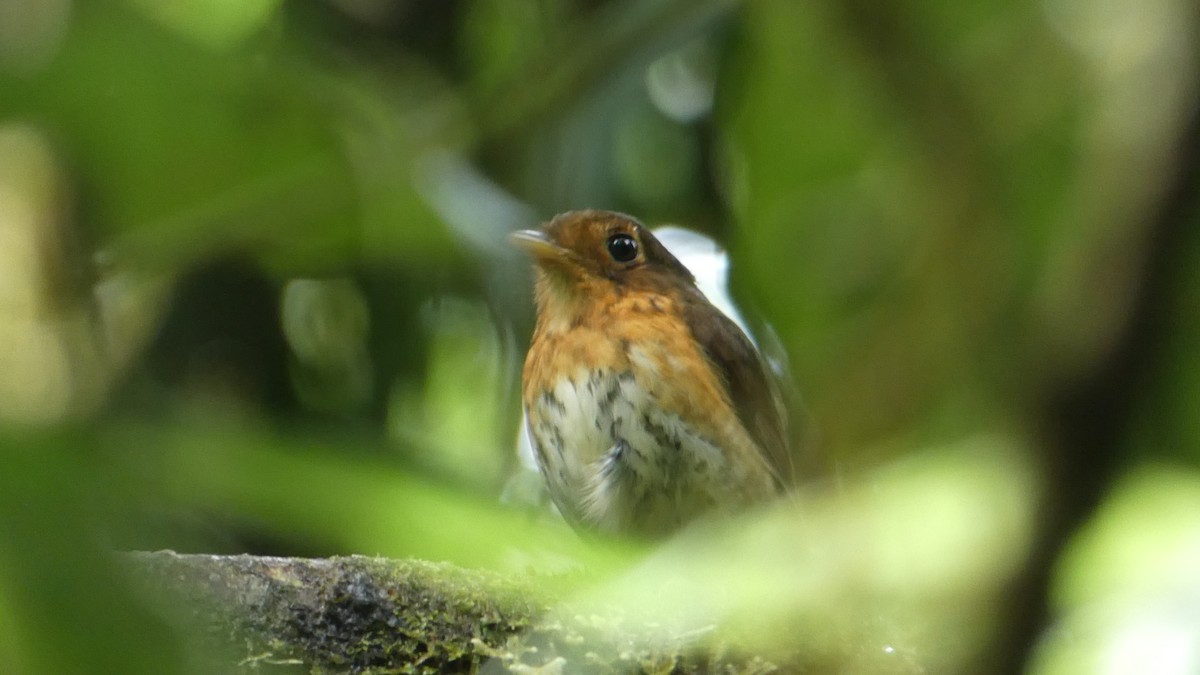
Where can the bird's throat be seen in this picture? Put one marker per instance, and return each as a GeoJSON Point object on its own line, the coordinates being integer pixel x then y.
{"type": "Point", "coordinates": [562, 298]}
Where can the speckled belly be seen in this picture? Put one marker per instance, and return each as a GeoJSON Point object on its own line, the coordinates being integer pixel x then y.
{"type": "Point", "coordinates": [615, 460]}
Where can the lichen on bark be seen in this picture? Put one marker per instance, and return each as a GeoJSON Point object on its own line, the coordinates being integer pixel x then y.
{"type": "Point", "coordinates": [374, 615]}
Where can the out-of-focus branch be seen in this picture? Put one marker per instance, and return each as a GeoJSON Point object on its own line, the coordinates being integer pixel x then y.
{"type": "Point", "coordinates": [1087, 421]}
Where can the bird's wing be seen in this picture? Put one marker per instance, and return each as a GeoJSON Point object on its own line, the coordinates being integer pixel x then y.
{"type": "Point", "coordinates": [744, 374]}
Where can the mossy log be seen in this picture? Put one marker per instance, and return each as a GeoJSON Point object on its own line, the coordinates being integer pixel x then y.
{"type": "Point", "coordinates": [375, 615]}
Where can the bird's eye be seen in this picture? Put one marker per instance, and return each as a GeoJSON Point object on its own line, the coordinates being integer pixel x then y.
{"type": "Point", "coordinates": [622, 247]}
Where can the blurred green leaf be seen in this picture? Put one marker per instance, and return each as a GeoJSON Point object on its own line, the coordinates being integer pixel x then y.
{"type": "Point", "coordinates": [218, 23]}
{"type": "Point", "coordinates": [1127, 589]}
{"type": "Point", "coordinates": [898, 573]}
{"type": "Point", "coordinates": [61, 587]}
{"type": "Point", "coordinates": [353, 506]}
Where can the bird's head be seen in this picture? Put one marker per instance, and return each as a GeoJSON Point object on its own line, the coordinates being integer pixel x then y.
{"type": "Point", "coordinates": [585, 251]}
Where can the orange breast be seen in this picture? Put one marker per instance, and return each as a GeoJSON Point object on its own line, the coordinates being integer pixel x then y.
{"type": "Point", "coordinates": [669, 387]}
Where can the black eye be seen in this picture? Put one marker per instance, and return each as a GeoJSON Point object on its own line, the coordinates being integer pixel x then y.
{"type": "Point", "coordinates": [622, 247]}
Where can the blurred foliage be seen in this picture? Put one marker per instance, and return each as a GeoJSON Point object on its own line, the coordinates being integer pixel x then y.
{"type": "Point", "coordinates": [1129, 582]}
{"type": "Point", "coordinates": [255, 296]}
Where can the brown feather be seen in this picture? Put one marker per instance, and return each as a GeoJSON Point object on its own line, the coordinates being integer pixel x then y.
{"type": "Point", "coordinates": [733, 356]}
{"type": "Point", "coordinates": [746, 380]}
{"type": "Point", "coordinates": [709, 423]}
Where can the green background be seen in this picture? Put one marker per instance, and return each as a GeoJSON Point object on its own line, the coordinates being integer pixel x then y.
{"type": "Point", "coordinates": [255, 295]}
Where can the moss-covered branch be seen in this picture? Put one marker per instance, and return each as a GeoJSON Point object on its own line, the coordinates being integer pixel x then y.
{"type": "Point", "coordinates": [377, 615]}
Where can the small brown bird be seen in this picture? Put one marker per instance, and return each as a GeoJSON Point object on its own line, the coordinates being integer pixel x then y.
{"type": "Point", "coordinates": [647, 407]}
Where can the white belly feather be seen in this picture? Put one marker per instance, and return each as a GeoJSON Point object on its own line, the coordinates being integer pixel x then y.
{"type": "Point", "coordinates": [614, 459]}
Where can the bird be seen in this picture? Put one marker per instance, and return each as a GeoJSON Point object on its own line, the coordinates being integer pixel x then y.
{"type": "Point", "coordinates": [647, 407]}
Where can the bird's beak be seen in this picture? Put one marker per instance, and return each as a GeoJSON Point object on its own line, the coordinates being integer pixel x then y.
{"type": "Point", "coordinates": [535, 243]}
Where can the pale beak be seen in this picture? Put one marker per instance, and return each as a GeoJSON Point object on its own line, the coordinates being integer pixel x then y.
{"type": "Point", "coordinates": [535, 243]}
